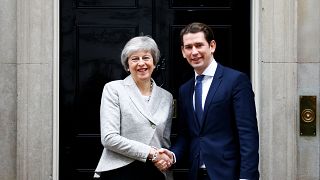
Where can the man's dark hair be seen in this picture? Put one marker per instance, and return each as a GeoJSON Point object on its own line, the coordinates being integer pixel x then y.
{"type": "Point", "coordinates": [196, 27]}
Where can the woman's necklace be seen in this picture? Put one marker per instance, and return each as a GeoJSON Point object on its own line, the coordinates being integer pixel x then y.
{"type": "Point", "coordinates": [151, 86]}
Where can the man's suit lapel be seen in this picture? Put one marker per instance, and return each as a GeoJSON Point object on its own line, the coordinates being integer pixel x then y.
{"type": "Point", "coordinates": [213, 89]}
{"type": "Point", "coordinates": [135, 96]}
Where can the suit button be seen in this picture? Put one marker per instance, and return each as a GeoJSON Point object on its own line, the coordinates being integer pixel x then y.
{"type": "Point", "coordinates": [153, 126]}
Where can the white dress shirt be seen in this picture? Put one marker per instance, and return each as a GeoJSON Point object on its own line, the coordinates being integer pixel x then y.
{"type": "Point", "coordinates": [207, 80]}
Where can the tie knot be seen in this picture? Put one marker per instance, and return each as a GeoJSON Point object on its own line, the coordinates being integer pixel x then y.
{"type": "Point", "coordinates": [199, 78]}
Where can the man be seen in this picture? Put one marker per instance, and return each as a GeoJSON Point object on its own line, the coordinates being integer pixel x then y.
{"type": "Point", "coordinates": [217, 114]}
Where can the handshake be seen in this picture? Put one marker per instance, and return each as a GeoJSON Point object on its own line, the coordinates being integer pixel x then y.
{"type": "Point", "coordinates": [161, 158]}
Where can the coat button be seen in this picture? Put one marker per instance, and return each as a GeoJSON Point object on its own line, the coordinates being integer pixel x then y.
{"type": "Point", "coordinates": [153, 126]}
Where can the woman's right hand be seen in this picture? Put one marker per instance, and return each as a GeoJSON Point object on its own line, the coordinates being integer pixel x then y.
{"type": "Point", "coordinates": [164, 159]}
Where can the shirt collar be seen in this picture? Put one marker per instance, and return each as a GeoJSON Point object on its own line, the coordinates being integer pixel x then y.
{"type": "Point", "coordinates": [210, 70]}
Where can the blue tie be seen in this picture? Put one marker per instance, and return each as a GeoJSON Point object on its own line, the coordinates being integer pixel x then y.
{"type": "Point", "coordinates": [198, 98]}
{"type": "Point", "coordinates": [198, 106]}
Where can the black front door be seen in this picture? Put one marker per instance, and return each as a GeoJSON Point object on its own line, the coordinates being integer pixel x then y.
{"type": "Point", "coordinates": [93, 33]}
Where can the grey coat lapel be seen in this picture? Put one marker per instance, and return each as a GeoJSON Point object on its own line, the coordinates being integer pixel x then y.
{"type": "Point", "coordinates": [143, 107]}
{"type": "Point", "coordinates": [155, 99]}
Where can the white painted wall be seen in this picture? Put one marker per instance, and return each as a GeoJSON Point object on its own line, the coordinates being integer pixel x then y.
{"type": "Point", "coordinates": [278, 84]}
{"type": "Point", "coordinates": [308, 52]}
{"type": "Point", "coordinates": [34, 89]}
{"type": "Point", "coordinates": [8, 89]}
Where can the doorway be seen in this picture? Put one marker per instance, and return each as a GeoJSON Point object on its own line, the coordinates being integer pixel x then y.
{"type": "Point", "coordinates": [92, 34]}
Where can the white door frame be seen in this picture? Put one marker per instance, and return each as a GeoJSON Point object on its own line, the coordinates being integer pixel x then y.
{"type": "Point", "coordinates": [56, 45]}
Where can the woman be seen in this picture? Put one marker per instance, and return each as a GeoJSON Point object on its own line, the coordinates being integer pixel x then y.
{"type": "Point", "coordinates": [135, 117]}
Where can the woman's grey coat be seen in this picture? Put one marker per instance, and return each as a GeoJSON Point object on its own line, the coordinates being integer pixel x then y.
{"type": "Point", "coordinates": [130, 125]}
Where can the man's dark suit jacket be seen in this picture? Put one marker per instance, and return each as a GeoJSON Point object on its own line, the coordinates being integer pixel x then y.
{"type": "Point", "coordinates": [228, 138]}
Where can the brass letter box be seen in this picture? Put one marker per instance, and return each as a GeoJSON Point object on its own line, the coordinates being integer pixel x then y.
{"type": "Point", "coordinates": [308, 115]}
